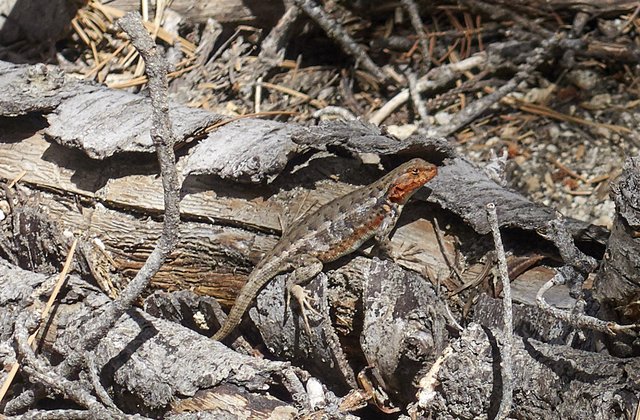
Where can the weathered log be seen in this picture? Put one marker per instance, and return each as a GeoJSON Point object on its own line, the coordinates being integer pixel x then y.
{"type": "Point", "coordinates": [154, 366]}
{"type": "Point", "coordinates": [255, 12]}
{"type": "Point", "coordinates": [149, 364]}
{"type": "Point", "coordinates": [567, 383]}
{"type": "Point", "coordinates": [618, 284]}
{"type": "Point", "coordinates": [385, 316]}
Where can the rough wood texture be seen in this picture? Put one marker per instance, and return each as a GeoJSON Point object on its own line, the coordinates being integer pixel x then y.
{"type": "Point", "coordinates": [129, 183]}
{"type": "Point", "coordinates": [459, 187]}
{"type": "Point", "coordinates": [244, 150]}
{"type": "Point", "coordinates": [384, 315]}
{"type": "Point", "coordinates": [530, 322]}
{"type": "Point", "coordinates": [29, 88]}
{"type": "Point", "coordinates": [224, 11]}
{"type": "Point", "coordinates": [618, 283]}
{"type": "Point", "coordinates": [567, 383]}
{"type": "Point", "coordinates": [147, 363]}
{"type": "Point", "coordinates": [458, 179]}
{"type": "Point", "coordinates": [89, 116]}
{"type": "Point", "coordinates": [157, 361]}
{"type": "Point", "coordinates": [404, 327]}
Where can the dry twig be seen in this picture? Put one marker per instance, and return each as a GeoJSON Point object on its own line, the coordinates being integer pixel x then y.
{"type": "Point", "coordinates": [507, 316]}
{"type": "Point", "coordinates": [164, 140]}
{"type": "Point", "coordinates": [474, 109]}
{"type": "Point", "coordinates": [412, 8]}
{"type": "Point", "coordinates": [337, 33]}
{"type": "Point", "coordinates": [274, 44]}
{"type": "Point", "coordinates": [498, 12]}
{"type": "Point", "coordinates": [574, 318]}
{"type": "Point", "coordinates": [418, 103]}
{"type": "Point", "coordinates": [578, 267]}
{"type": "Point", "coordinates": [436, 78]}
{"type": "Point", "coordinates": [43, 316]}
{"type": "Point", "coordinates": [39, 370]}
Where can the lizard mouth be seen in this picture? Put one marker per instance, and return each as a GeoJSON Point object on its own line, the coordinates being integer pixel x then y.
{"type": "Point", "coordinates": [401, 193]}
{"type": "Point", "coordinates": [404, 188]}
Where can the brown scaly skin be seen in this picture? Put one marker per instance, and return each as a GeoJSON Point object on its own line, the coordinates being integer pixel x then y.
{"type": "Point", "coordinates": [336, 229]}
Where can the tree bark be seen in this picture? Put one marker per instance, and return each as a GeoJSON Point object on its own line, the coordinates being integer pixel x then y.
{"type": "Point", "coordinates": [618, 285]}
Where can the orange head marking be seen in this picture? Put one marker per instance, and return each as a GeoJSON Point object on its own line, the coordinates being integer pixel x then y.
{"type": "Point", "coordinates": [407, 178]}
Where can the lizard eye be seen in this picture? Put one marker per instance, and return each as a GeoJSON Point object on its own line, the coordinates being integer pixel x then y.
{"type": "Point", "coordinates": [415, 171]}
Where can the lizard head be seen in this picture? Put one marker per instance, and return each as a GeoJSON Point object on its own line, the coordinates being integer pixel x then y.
{"type": "Point", "coordinates": [408, 178]}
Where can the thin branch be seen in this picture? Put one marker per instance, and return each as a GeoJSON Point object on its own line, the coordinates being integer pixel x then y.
{"type": "Point", "coordinates": [94, 376]}
{"type": "Point", "coordinates": [443, 250]}
{"type": "Point", "coordinates": [488, 265]}
{"type": "Point", "coordinates": [574, 318]}
{"type": "Point", "coordinates": [163, 139]}
{"type": "Point", "coordinates": [43, 316]}
{"type": "Point", "coordinates": [502, 13]}
{"type": "Point", "coordinates": [418, 103]}
{"type": "Point", "coordinates": [414, 14]}
{"type": "Point", "coordinates": [336, 32]}
{"type": "Point", "coordinates": [436, 78]}
{"type": "Point", "coordinates": [556, 231]}
{"type": "Point", "coordinates": [274, 45]}
{"type": "Point", "coordinates": [507, 316]}
{"type": "Point", "coordinates": [476, 108]}
{"type": "Point", "coordinates": [40, 370]}
{"type": "Point", "coordinates": [295, 387]}
{"type": "Point", "coordinates": [25, 400]}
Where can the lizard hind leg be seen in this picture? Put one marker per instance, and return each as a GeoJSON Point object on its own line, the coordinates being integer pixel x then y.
{"type": "Point", "coordinates": [308, 268]}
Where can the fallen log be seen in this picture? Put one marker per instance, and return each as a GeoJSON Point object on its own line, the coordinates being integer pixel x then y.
{"type": "Point", "coordinates": [381, 326]}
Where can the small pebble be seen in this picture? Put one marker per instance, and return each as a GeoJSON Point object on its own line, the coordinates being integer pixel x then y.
{"type": "Point", "coordinates": [402, 131]}
{"type": "Point", "coordinates": [316, 394]}
{"type": "Point", "coordinates": [4, 207]}
{"type": "Point", "coordinates": [601, 101]}
{"type": "Point", "coordinates": [443, 118]}
{"type": "Point", "coordinates": [533, 184]}
{"type": "Point", "coordinates": [584, 79]}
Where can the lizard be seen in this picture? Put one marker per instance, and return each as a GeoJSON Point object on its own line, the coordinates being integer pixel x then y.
{"type": "Point", "coordinates": [334, 230]}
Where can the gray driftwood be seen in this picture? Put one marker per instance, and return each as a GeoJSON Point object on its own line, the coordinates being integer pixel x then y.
{"type": "Point", "coordinates": [149, 365]}
{"type": "Point", "coordinates": [567, 383]}
{"type": "Point", "coordinates": [618, 284]}
{"type": "Point", "coordinates": [371, 312]}
{"type": "Point", "coordinates": [85, 115]}
{"type": "Point", "coordinates": [224, 11]}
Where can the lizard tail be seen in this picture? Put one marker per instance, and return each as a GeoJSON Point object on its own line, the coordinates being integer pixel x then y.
{"type": "Point", "coordinates": [235, 316]}
{"type": "Point", "coordinates": [229, 324]}
{"type": "Point", "coordinates": [222, 332]}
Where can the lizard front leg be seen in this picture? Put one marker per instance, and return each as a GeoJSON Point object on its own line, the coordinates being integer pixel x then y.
{"type": "Point", "coordinates": [383, 241]}
{"type": "Point", "coordinates": [308, 267]}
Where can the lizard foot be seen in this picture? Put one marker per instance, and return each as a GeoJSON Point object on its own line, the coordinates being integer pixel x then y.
{"type": "Point", "coordinates": [406, 252]}
{"type": "Point", "coordinates": [304, 300]}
